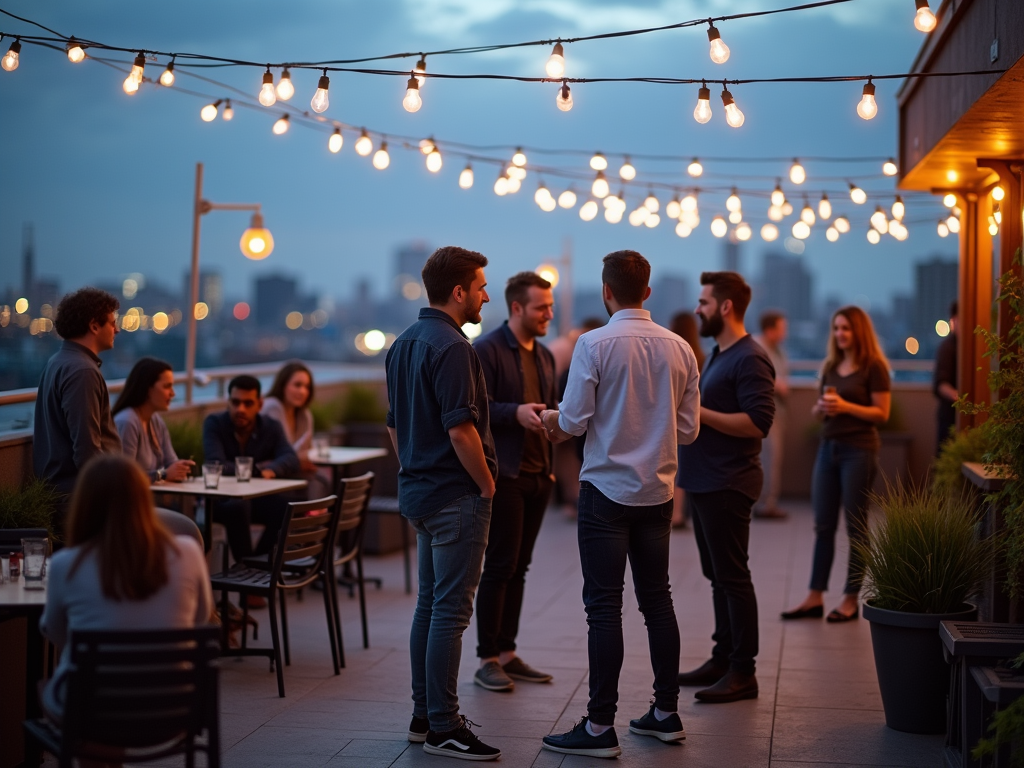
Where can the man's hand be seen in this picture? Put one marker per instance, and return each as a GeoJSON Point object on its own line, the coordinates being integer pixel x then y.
{"type": "Point", "coordinates": [554, 432]}
{"type": "Point", "coordinates": [527, 414]}
{"type": "Point", "coordinates": [267, 474]}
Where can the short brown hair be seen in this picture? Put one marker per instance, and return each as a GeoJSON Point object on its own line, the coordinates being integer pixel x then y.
{"type": "Point", "coordinates": [285, 375]}
{"type": "Point", "coordinates": [448, 267]}
{"type": "Point", "coordinates": [770, 318]}
{"type": "Point", "coordinates": [518, 287]}
{"type": "Point", "coordinates": [78, 309]}
{"type": "Point", "coordinates": [626, 273]}
{"type": "Point", "coordinates": [728, 286]}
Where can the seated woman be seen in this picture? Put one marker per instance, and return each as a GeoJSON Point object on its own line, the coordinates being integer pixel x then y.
{"type": "Point", "coordinates": [288, 402]}
{"type": "Point", "coordinates": [120, 569]}
{"type": "Point", "coordinates": [148, 390]}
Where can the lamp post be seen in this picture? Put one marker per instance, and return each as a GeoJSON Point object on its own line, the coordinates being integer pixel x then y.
{"type": "Point", "coordinates": [256, 243]}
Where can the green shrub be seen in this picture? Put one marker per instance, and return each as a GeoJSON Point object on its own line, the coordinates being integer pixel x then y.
{"type": "Point", "coordinates": [31, 507]}
{"type": "Point", "coordinates": [947, 474]}
{"type": "Point", "coordinates": [1006, 727]}
{"type": "Point", "coordinates": [361, 405]}
{"type": "Point", "coordinates": [187, 439]}
{"type": "Point", "coordinates": [326, 414]}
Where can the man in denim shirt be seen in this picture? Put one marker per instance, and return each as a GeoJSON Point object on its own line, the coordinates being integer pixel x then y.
{"type": "Point", "coordinates": [439, 424]}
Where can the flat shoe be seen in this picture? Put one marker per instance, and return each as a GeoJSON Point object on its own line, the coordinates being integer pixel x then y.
{"type": "Point", "coordinates": [814, 612]}
{"type": "Point", "coordinates": [835, 617]}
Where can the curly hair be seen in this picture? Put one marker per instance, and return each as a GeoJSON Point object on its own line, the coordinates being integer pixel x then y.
{"type": "Point", "coordinates": [78, 309]}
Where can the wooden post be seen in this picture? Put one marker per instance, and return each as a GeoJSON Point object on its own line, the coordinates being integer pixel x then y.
{"type": "Point", "coordinates": [1011, 231]}
{"type": "Point", "coordinates": [975, 305]}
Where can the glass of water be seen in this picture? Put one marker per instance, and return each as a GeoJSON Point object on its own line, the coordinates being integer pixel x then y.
{"type": "Point", "coordinates": [243, 468]}
{"type": "Point", "coordinates": [321, 447]}
{"type": "Point", "coordinates": [211, 473]}
{"type": "Point", "coordinates": [35, 551]}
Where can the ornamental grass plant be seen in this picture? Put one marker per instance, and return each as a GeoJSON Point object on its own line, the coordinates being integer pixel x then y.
{"type": "Point", "coordinates": [29, 507]}
{"type": "Point", "coordinates": [925, 556]}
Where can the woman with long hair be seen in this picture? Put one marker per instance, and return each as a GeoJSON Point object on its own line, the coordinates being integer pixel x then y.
{"type": "Point", "coordinates": [854, 399]}
{"type": "Point", "coordinates": [288, 402]}
{"type": "Point", "coordinates": [149, 390]}
{"type": "Point", "coordinates": [121, 569]}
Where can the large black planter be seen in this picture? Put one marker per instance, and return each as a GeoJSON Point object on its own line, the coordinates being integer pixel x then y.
{"type": "Point", "coordinates": [912, 674]}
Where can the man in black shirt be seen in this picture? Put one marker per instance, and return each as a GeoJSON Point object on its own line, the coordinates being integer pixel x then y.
{"type": "Point", "coordinates": [520, 374]}
{"type": "Point", "coordinates": [721, 473]}
{"type": "Point", "coordinates": [944, 382]}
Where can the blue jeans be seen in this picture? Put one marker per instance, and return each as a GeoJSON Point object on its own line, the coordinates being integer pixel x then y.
{"type": "Point", "coordinates": [450, 549]}
{"type": "Point", "coordinates": [843, 475]}
{"type": "Point", "coordinates": [608, 534]}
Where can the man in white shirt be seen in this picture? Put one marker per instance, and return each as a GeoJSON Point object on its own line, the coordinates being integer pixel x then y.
{"type": "Point", "coordinates": [633, 390]}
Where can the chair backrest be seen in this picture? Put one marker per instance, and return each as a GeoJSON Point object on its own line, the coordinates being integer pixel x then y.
{"type": "Point", "coordinates": [10, 538]}
{"type": "Point", "coordinates": [143, 690]}
{"type": "Point", "coordinates": [354, 493]}
{"type": "Point", "coordinates": [305, 537]}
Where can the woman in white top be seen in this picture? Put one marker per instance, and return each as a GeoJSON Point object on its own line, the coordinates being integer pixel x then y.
{"type": "Point", "coordinates": [148, 390]}
{"type": "Point", "coordinates": [121, 568]}
{"type": "Point", "coordinates": [288, 402]}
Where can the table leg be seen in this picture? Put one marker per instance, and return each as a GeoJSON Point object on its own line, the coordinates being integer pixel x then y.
{"type": "Point", "coordinates": [208, 521]}
{"type": "Point", "coordinates": [34, 652]}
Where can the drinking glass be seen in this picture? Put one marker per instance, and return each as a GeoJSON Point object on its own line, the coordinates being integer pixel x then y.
{"type": "Point", "coordinates": [35, 558]}
{"type": "Point", "coordinates": [211, 474]}
{"type": "Point", "coordinates": [243, 468]}
{"type": "Point", "coordinates": [321, 447]}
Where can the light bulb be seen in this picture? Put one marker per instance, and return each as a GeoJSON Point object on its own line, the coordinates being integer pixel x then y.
{"type": "Point", "coordinates": [548, 204]}
{"type": "Point", "coordinates": [683, 229]}
{"type": "Point", "coordinates": [542, 194]}
{"type": "Point", "coordinates": [889, 167]}
{"type": "Point", "coordinates": [567, 199]}
{"type": "Point", "coordinates": [690, 219]}
{"type": "Point", "coordinates": [427, 146]}
{"type": "Point", "coordinates": [695, 169]}
{"type": "Point", "coordinates": [320, 102]}
{"type": "Point", "coordinates": [421, 67]}
{"type": "Point", "coordinates": [600, 186]}
{"type": "Point", "coordinates": [209, 112]}
{"type": "Point", "coordinates": [564, 98]}
{"type": "Point", "coordinates": [519, 158]}
{"type": "Point", "coordinates": [651, 203]}
{"type": "Point", "coordinates": [825, 208]}
{"type": "Point", "coordinates": [167, 76]}
{"type": "Point", "coordinates": [797, 174]}
{"type": "Point", "coordinates": [673, 209]}
{"type": "Point", "coordinates": [842, 224]}
{"type": "Point", "coordinates": [998, 216]}
{"type": "Point", "coordinates": [412, 101]}
{"type": "Point", "coordinates": [501, 185]}
{"type": "Point", "coordinates": [733, 116]}
{"type": "Point", "coordinates": [949, 200]}
{"type": "Point", "coordinates": [688, 203]}
{"type": "Point", "coordinates": [627, 172]}
{"type": "Point", "coordinates": [702, 112]}
{"type": "Point", "coordinates": [228, 114]}
{"type": "Point", "coordinates": [954, 224]}
{"type": "Point", "coordinates": [652, 220]}
{"type": "Point", "coordinates": [282, 125]}
{"type": "Point", "coordinates": [733, 203]}
{"type": "Point", "coordinates": [878, 220]}
{"type": "Point", "coordinates": [778, 196]}
{"type": "Point", "coordinates": [76, 53]}
{"type": "Point", "coordinates": [268, 96]}
{"type": "Point", "coordinates": [943, 229]}
{"type": "Point", "coordinates": [613, 215]}
{"type": "Point", "coordinates": [775, 213]}
{"type": "Point", "coordinates": [769, 233]}
{"type": "Point", "coordinates": [993, 228]}
{"type": "Point", "coordinates": [719, 227]}
{"type": "Point", "coordinates": [639, 216]}
{"type": "Point", "coordinates": [12, 58]}
{"type": "Point", "coordinates": [719, 50]}
{"type": "Point", "coordinates": [867, 108]}
{"type": "Point", "coordinates": [134, 80]}
{"type": "Point", "coordinates": [898, 208]}
{"type": "Point", "coordinates": [588, 211]}
{"type": "Point", "coordinates": [363, 145]}
{"type": "Point", "coordinates": [787, 208]}
{"type": "Point", "coordinates": [998, 193]}
{"type": "Point", "coordinates": [735, 217]}
{"type": "Point", "coordinates": [858, 195]}
{"type": "Point", "coordinates": [515, 172]}
{"type": "Point", "coordinates": [466, 177]}
{"type": "Point", "coordinates": [807, 215]}
{"type": "Point", "coordinates": [285, 88]}
{"type": "Point", "coordinates": [743, 231]}
{"type": "Point", "coordinates": [801, 230]}
{"type": "Point", "coordinates": [924, 19]}
{"type": "Point", "coordinates": [555, 67]}
{"type": "Point", "coordinates": [381, 158]}
{"type": "Point", "coordinates": [831, 234]}
{"type": "Point", "coordinates": [336, 141]}
{"type": "Point", "coordinates": [130, 86]}
{"type": "Point", "coordinates": [513, 185]}
{"type": "Point", "coordinates": [873, 237]}
{"type": "Point", "coordinates": [598, 162]}
{"type": "Point", "coordinates": [434, 161]}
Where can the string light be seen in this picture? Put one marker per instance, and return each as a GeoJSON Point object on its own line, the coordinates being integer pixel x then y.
{"type": "Point", "coordinates": [599, 188]}
{"type": "Point", "coordinates": [268, 96]}
{"type": "Point", "coordinates": [515, 172]}
{"type": "Point", "coordinates": [320, 101]}
{"type": "Point", "coordinates": [412, 101]}
{"type": "Point", "coordinates": [652, 220]}
{"type": "Point", "coordinates": [285, 87]}
{"type": "Point", "coordinates": [797, 174]}
{"type": "Point", "coordinates": [627, 172]}
{"type": "Point", "coordinates": [735, 217]}
{"type": "Point", "coordinates": [615, 201]}
{"type": "Point", "coordinates": [363, 145]}
{"type": "Point", "coordinates": [651, 203]}
{"type": "Point", "coordinates": [598, 162]}
{"type": "Point", "coordinates": [613, 215]}
{"type": "Point", "coordinates": [769, 233]}
{"type": "Point", "coordinates": [519, 158]}
{"type": "Point", "coordinates": [953, 223]}
{"type": "Point", "coordinates": [878, 220]}
{"type": "Point", "coordinates": [434, 161]}
{"type": "Point", "coordinates": [858, 195]}
{"type": "Point", "coordinates": [381, 158]}
{"type": "Point", "coordinates": [719, 227]}
{"type": "Point", "coordinates": [873, 237]}
{"type": "Point", "coordinates": [282, 125]}
{"type": "Point", "coordinates": [993, 228]}
{"type": "Point", "coordinates": [997, 215]}
{"type": "Point", "coordinates": [924, 19]}
{"type": "Point", "coordinates": [555, 67]}
{"type": "Point", "coordinates": [778, 196]}
{"type": "Point", "coordinates": [898, 231]}
{"type": "Point", "coordinates": [733, 203]}
{"type": "Point", "coordinates": [943, 229]}
{"type": "Point", "coordinates": [787, 208]}
{"type": "Point", "coordinates": [867, 108]}
{"type": "Point", "coordinates": [898, 208]}
{"type": "Point", "coordinates": [134, 80]}
{"type": "Point", "coordinates": [801, 230]}
{"type": "Point", "coordinates": [825, 208]}
{"type": "Point", "coordinates": [683, 229]}
{"type": "Point", "coordinates": [842, 224]}
{"type": "Point", "coordinates": [702, 112]}
{"type": "Point", "coordinates": [688, 203]}
{"type": "Point", "coordinates": [336, 141]}
{"type": "Point", "coordinates": [542, 197]}
{"type": "Point", "coordinates": [949, 200]}
{"type": "Point", "coordinates": [719, 50]}
{"type": "Point", "coordinates": [588, 210]}
{"type": "Point", "coordinates": [998, 193]}
{"type": "Point", "coordinates": [466, 177]}
{"type": "Point", "coordinates": [695, 169]}
{"type": "Point", "coordinates": [733, 116]}
{"type": "Point", "coordinates": [672, 208]}
{"type": "Point", "coordinates": [228, 114]}
{"type": "Point", "coordinates": [831, 234]}
{"type": "Point", "coordinates": [513, 185]}
{"type": "Point", "coordinates": [420, 70]}
{"type": "Point", "coordinates": [564, 98]}
{"type": "Point", "coordinates": [209, 112]}
{"type": "Point", "coordinates": [639, 216]}
{"type": "Point", "coordinates": [12, 58]}
{"type": "Point", "coordinates": [167, 76]}
{"type": "Point", "coordinates": [75, 51]}
{"type": "Point", "coordinates": [567, 199]}
{"type": "Point", "coordinates": [775, 213]}
{"type": "Point", "coordinates": [807, 214]}
{"type": "Point", "coordinates": [889, 167]}
{"type": "Point", "coordinates": [743, 232]}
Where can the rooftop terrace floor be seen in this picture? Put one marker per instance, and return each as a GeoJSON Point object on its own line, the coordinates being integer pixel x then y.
{"type": "Point", "coordinates": [819, 703]}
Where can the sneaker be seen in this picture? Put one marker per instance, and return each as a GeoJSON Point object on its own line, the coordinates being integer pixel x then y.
{"type": "Point", "coordinates": [579, 742]}
{"type": "Point", "coordinates": [492, 677]}
{"type": "Point", "coordinates": [669, 729]}
{"type": "Point", "coordinates": [418, 729]}
{"type": "Point", "coordinates": [459, 743]}
{"type": "Point", "coordinates": [518, 669]}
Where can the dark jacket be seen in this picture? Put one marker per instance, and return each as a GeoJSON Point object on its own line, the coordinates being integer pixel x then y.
{"type": "Point", "coordinates": [267, 445]}
{"type": "Point", "coordinates": [503, 370]}
{"type": "Point", "coordinates": [72, 418]}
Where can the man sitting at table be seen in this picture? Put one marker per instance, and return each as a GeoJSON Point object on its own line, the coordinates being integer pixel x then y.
{"type": "Point", "coordinates": [242, 431]}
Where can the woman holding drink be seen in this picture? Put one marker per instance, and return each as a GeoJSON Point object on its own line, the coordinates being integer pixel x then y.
{"type": "Point", "coordinates": [855, 398]}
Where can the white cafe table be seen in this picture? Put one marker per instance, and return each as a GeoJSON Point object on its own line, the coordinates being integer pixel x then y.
{"type": "Point", "coordinates": [340, 458]}
{"type": "Point", "coordinates": [16, 602]}
{"type": "Point", "coordinates": [228, 488]}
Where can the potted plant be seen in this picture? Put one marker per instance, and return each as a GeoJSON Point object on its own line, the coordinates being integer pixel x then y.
{"type": "Point", "coordinates": [922, 563]}
{"type": "Point", "coordinates": [30, 507]}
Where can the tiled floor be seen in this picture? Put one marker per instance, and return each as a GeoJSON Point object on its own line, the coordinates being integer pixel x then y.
{"type": "Point", "coordinates": [819, 702]}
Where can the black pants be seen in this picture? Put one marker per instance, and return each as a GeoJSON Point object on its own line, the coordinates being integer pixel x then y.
{"type": "Point", "coordinates": [516, 515]}
{"type": "Point", "coordinates": [237, 515]}
{"type": "Point", "coordinates": [721, 525]}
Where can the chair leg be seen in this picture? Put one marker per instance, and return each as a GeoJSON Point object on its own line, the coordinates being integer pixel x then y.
{"type": "Point", "coordinates": [190, 758]}
{"type": "Point", "coordinates": [337, 619]}
{"type": "Point", "coordinates": [276, 641]}
{"type": "Point", "coordinates": [245, 619]}
{"type": "Point", "coordinates": [329, 611]}
{"type": "Point", "coordinates": [362, 598]}
{"type": "Point", "coordinates": [225, 620]}
{"type": "Point", "coordinates": [284, 626]}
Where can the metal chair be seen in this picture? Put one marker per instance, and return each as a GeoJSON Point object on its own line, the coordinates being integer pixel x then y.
{"type": "Point", "coordinates": [137, 696]}
{"type": "Point", "coordinates": [354, 493]}
{"type": "Point", "coordinates": [302, 555]}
